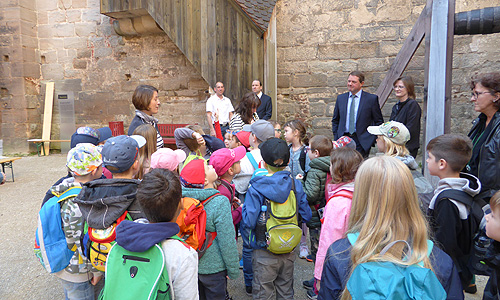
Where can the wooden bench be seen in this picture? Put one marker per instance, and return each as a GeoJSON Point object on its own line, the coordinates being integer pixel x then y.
{"type": "Point", "coordinates": [167, 132]}
{"type": "Point", "coordinates": [39, 144]}
{"type": "Point", "coordinates": [7, 162]}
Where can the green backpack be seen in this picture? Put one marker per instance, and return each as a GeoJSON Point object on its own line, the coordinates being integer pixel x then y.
{"type": "Point", "coordinates": [283, 231]}
{"type": "Point", "coordinates": [136, 275]}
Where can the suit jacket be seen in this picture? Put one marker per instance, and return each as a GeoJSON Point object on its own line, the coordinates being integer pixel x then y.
{"type": "Point", "coordinates": [369, 114]}
{"type": "Point", "coordinates": [265, 109]}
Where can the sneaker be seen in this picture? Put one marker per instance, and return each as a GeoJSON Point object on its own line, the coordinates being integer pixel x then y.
{"type": "Point", "coordinates": [471, 289]}
{"type": "Point", "coordinates": [248, 289]}
{"type": "Point", "coordinates": [303, 251]}
{"type": "Point", "coordinates": [241, 263]}
{"type": "Point", "coordinates": [309, 258]}
{"type": "Point", "coordinates": [308, 284]}
{"type": "Point", "coordinates": [311, 294]}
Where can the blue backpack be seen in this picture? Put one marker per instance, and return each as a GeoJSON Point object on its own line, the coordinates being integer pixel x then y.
{"type": "Point", "coordinates": [258, 171]}
{"type": "Point", "coordinates": [388, 280]}
{"type": "Point", "coordinates": [51, 247]}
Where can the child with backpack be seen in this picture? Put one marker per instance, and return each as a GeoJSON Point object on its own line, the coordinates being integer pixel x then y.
{"type": "Point", "coordinates": [452, 216]}
{"type": "Point", "coordinates": [260, 131]}
{"type": "Point", "coordinates": [226, 163]}
{"type": "Point", "coordinates": [344, 165]}
{"type": "Point", "coordinates": [296, 136]}
{"type": "Point", "coordinates": [271, 211]}
{"type": "Point", "coordinates": [106, 202]}
{"type": "Point", "coordinates": [387, 251]}
{"type": "Point", "coordinates": [221, 258]}
{"type": "Point", "coordinates": [314, 187]}
{"type": "Point", "coordinates": [162, 261]}
{"type": "Point", "coordinates": [84, 162]}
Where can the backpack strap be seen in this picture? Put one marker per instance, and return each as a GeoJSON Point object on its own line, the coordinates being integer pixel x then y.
{"type": "Point", "coordinates": [229, 188]}
{"type": "Point", "coordinates": [206, 201]}
{"type": "Point", "coordinates": [176, 237]}
{"type": "Point", "coordinates": [302, 158]}
{"type": "Point", "coordinates": [71, 192]}
{"type": "Point", "coordinates": [457, 195]}
{"type": "Point", "coordinates": [341, 193]}
{"type": "Point", "coordinates": [252, 160]}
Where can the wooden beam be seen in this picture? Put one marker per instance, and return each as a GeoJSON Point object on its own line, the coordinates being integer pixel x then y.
{"type": "Point", "coordinates": [438, 106]}
{"type": "Point", "coordinates": [47, 115]}
{"type": "Point", "coordinates": [404, 56]}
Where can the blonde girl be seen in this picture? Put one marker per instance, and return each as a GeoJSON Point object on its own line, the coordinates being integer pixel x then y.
{"type": "Point", "coordinates": [149, 133]}
{"type": "Point", "coordinates": [385, 209]}
{"type": "Point", "coordinates": [297, 138]}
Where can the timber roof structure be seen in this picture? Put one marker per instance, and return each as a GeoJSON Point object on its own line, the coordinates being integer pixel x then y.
{"type": "Point", "coordinates": [259, 11]}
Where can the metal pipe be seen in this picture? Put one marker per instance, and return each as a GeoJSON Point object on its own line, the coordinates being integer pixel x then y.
{"type": "Point", "coordinates": [479, 21]}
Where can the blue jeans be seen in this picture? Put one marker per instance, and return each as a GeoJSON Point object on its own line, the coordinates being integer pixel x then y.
{"type": "Point", "coordinates": [246, 255]}
{"type": "Point", "coordinates": [78, 290]}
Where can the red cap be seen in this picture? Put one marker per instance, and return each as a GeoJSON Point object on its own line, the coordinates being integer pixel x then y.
{"type": "Point", "coordinates": [193, 174]}
{"type": "Point", "coordinates": [244, 138]}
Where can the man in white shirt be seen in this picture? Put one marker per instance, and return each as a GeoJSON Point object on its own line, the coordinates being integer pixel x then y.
{"type": "Point", "coordinates": [221, 105]}
{"type": "Point", "coordinates": [265, 109]}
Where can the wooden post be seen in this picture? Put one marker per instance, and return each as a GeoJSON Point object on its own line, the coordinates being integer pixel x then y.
{"type": "Point", "coordinates": [404, 55]}
{"type": "Point", "coordinates": [270, 64]}
{"type": "Point", "coordinates": [439, 71]}
{"type": "Point", "coordinates": [47, 115]}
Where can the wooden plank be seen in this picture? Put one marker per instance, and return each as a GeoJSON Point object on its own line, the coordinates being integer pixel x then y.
{"type": "Point", "coordinates": [404, 56]}
{"type": "Point", "coordinates": [439, 75]}
{"type": "Point", "coordinates": [47, 114]}
{"type": "Point", "coordinates": [204, 39]}
{"type": "Point", "coordinates": [212, 42]}
{"type": "Point", "coordinates": [196, 28]}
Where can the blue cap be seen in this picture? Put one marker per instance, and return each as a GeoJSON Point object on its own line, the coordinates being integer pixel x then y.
{"type": "Point", "coordinates": [85, 135]}
{"type": "Point", "coordinates": [120, 152]}
{"type": "Point", "coordinates": [104, 134]}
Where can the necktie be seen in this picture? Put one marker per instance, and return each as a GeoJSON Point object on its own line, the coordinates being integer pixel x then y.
{"type": "Point", "coordinates": [352, 115]}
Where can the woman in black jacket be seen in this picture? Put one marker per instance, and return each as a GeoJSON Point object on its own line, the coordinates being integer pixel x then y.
{"type": "Point", "coordinates": [146, 103]}
{"type": "Point", "coordinates": [485, 133]}
{"type": "Point", "coordinates": [407, 111]}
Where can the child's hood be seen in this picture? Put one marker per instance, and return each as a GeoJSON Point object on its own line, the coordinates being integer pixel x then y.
{"type": "Point", "coordinates": [62, 187]}
{"type": "Point", "coordinates": [409, 161]}
{"type": "Point", "coordinates": [322, 163]}
{"type": "Point", "coordinates": [199, 194]}
{"type": "Point", "coordinates": [276, 187]}
{"type": "Point", "coordinates": [103, 201]}
{"type": "Point", "coordinates": [139, 237]}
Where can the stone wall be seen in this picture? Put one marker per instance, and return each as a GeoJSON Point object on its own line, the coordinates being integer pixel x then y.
{"type": "Point", "coordinates": [319, 43]}
{"type": "Point", "coordinates": [77, 48]}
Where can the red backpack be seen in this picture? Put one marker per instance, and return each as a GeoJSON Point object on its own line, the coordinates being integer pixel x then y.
{"type": "Point", "coordinates": [192, 221]}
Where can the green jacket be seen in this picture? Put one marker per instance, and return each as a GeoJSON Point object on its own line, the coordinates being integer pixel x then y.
{"type": "Point", "coordinates": [314, 187]}
{"type": "Point", "coordinates": [223, 254]}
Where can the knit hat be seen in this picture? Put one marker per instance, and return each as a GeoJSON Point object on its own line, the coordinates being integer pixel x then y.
{"type": "Point", "coordinates": [224, 158]}
{"type": "Point", "coordinates": [344, 141]}
{"type": "Point", "coordinates": [85, 135]}
{"type": "Point", "coordinates": [275, 152]}
{"type": "Point", "coordinates": [394, 131]}
{"type": "Point", "coordinates": [166, 158]}
{"type": "Point", "coordinates": [244, 138]}
{"type": "Point", "coordinates": [104, 134]}
{"type": "Point", "coordinates": [262, 129]}
{"type": "Point", "coordinates": [193, 174]}
{"type": "Point", "coordinates": [83, 159]}
{"type": "Point", "coordinates": [120, 152]}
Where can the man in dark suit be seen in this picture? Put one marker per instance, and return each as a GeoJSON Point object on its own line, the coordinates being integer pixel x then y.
{"type": "Point", "coordinates": [354, 112]}
{"type": "Point", "coordinates": [265, 109]}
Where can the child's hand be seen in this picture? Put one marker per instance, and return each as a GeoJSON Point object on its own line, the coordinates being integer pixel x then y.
{"type": "Point", "coordinates": [199, 138]}
{"type": "Point", "coordinates": [216, 116]}
{"type": "Point", "coordinates": [236, 203]}
{"type": "Point", "coordinates": [299, 176]}
{"type": "Point", "coordinates": [95, 279]}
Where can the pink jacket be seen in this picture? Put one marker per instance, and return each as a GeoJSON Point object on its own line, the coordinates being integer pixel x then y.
{"type": "Point", "coordinates": [335, 221]}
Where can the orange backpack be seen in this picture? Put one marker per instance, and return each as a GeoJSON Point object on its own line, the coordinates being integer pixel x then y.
{"type": "Point", "coordinates": [192, 221]}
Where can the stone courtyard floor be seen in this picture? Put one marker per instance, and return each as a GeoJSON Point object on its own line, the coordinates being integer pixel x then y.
{"type": "Point", "coordinates": [24, 277]}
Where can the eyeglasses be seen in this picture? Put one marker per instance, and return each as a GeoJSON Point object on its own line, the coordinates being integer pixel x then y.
{"type": "Point", "coordinates": [475, 94]}
{"type": "Point", "coordinates": [399, 87]}
{"type": "Point", "coordinates": [277, 130]}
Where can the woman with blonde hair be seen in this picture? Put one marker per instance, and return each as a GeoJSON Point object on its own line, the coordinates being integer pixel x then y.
{"type": "Point", "coordinates": [384, 210]}
{"type": "Point", "coordinates": [149, 133]}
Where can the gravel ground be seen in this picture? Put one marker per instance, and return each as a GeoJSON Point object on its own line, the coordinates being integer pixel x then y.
{"type": "Point", "coordinates": [19, 205]}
